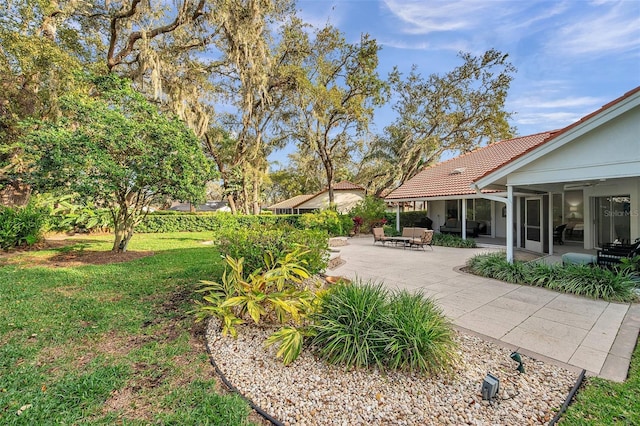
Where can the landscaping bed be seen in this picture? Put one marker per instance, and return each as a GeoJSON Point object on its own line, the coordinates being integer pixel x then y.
{"type": "Point", "coordinates": [311, 392]}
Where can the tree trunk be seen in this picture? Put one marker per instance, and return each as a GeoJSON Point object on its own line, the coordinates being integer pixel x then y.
{"type": "Point", "coordinates": [232, 204]}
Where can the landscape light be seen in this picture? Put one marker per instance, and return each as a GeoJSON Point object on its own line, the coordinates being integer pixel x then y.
{"type": "Point", "coordinates": [517, 358]}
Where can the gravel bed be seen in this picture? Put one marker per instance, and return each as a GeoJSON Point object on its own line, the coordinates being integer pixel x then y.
{"type": "Point", "coordinates": [311, 392]}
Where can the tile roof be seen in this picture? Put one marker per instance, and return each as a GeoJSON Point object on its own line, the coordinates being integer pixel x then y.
{"type": "Point", "coordinates": [455, 176]}
{"type": "Point", "coordinates": [559, 132]}
{"type": "Point", "coordinates": [291, 202]}
{"type": "Point", "coordinates": [345, 185]}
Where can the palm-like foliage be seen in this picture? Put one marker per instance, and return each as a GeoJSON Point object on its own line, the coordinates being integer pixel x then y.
{"type": "Point", "coordinates": [272, 295]}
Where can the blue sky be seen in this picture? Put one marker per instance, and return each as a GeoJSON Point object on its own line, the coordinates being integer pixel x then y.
{"type": "Point", "coordinates": [572, 56]}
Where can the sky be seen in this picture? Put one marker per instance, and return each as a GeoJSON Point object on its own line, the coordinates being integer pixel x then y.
{"type": "Point", "coordinates": [571, 56]}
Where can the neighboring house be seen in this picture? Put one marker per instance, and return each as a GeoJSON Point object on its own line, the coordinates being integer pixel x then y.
{"type": "Point", "coordinates": [585, 176]}
{"type": "Point", "coordinates": [290, 206]}
{"type": "Point", "coordinates": [209, 206]}
{"type": "Point", "coordinates": [345, 196]}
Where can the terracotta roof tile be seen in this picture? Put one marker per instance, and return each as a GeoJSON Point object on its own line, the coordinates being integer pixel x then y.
{"type": "Point", "coordinates": [455, 176]}
{"type": "Point", "coordinates": [346, 185]}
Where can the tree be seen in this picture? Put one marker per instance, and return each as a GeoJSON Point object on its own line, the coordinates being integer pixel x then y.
{"type": "Point", "coordinates": [336, 96]}
{"type": "Point", "coordinates": [34, 72]}
{"type": "Point", "coordinates": [457, 111]}
{"type": "Point", "coordinates": [257, 81]}
{"type": "Point", "coordinates": [113, 146]}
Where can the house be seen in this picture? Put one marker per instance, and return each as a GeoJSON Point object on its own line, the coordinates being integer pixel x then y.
{"type": "Point", "coordinates": [345, 196]}
{"type": "Point", "coordinates": [209, 206]}
{"type": "Point", "coordinates": [585, 176]}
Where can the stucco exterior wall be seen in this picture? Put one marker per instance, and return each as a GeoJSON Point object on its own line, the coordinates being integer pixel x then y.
{"type": "Point", "coordinates": [344, 200]}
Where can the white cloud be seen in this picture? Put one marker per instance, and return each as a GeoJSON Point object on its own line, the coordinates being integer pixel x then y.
{"type": "Point", "coordinates": [546, 103]}
{"type": "Point", "coordinates": [606, 28]}
{"type": "Point", "coordinates": [423, 17]}
{"type": "Point", "coordinates": [550, 120]}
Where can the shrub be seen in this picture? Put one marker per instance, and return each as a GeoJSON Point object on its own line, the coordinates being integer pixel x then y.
{"type": "Point", "coordinates": [373, 212]}
{"type": "Point", "coordinates": [350, 327]}
{"type": "Point", "coordinates": [21, 225]}
{"type": "Point", "coordinates": [449, 240]}
{"type": "Point", "coordinates": [581, 280]}
{"type": "Point", "coordinates": [170, 221]}
{"type": "Point", "coordinates": [360, 325]}
{"type": "Point", "coordinates": [326, 220]}
{"type": "Point", "coordinates": [273, 295]}
{"type": "Point", "coordinates": [251, 243]}
{"type": "Point", "coordinates": [419, 335]}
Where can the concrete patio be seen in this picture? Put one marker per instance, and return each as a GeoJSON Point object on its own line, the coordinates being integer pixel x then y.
{"type": "Point", "coordinates": [576, 332]}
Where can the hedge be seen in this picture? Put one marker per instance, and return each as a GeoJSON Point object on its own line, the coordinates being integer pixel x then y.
{"type": "Point", "coordinates": [193, 222]}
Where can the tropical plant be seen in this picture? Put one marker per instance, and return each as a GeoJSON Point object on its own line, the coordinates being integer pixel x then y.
{"type": "Point", "coordinates": [21, 225]}
{"type": "Point", "coordinates": [274, 295]}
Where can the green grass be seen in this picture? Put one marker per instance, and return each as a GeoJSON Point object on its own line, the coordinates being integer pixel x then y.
{"type": "Point", "coordinates": [106, 344]}
{"type": "Point", "coordinates": [608, 403]}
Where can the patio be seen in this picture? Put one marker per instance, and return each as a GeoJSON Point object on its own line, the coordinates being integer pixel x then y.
{"type": "Point", "coordinates": [577, 332]}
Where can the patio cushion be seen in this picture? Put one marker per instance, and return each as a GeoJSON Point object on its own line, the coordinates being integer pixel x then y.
{"type": "Point", "coordinates": [578, 259]}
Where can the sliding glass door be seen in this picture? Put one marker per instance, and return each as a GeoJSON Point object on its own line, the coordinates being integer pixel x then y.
{"type": "Point", "coordinates": [613, 219]}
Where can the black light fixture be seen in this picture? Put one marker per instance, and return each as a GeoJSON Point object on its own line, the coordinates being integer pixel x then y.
{"type": "Point", "coordinates": [490, 387]}
{"type": "Point", "coordinates": [517, 358]}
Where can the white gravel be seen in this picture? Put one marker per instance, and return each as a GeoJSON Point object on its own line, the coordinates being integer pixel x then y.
{"type": "Point", "coordinates": [311, 392]}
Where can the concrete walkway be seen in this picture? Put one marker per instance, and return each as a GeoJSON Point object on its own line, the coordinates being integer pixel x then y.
{"type": "Point", "coordinates": [573, 331]}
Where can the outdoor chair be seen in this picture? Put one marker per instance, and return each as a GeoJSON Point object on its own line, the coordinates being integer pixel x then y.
{"type": "Point", "coordinates": [558, 234]}
{"type": "Point", "coordinates": [378, 236]}
{"type": "Point", "coordinates": [425, 240]}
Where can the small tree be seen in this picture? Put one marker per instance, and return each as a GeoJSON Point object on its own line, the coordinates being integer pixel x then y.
{"type": "Point", "coordinates": [116, 148]}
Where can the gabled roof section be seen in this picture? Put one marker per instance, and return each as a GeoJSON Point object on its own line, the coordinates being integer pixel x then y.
{"type": "Point", "coordinates": [346, 185]}
{"type": "Point", "coordinates": [455, 176]}
{"type": "Point", "coordinates": [294, 202]}
{"type": "Point", "coordinates": [291, 202]}
{"type": "Point", "coordinates": [564, 135]}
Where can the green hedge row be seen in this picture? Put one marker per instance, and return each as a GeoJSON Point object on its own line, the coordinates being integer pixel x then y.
{"type": "Point", "coordinates": [193, 222]}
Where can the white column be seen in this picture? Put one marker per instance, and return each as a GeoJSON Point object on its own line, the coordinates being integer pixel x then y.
{"type": "Point", "coordinates": [518, 211]}
{"type": "Point", "coordinates": [510, 224]}
{"type": "Point", "coordinates": [398, 218]}
{"type": "Point", "coordinates": [494, 211]}
{"type": "Point", "coordinates": [464, 219]}
{"type": "Point", "coordinates": [550, 227]}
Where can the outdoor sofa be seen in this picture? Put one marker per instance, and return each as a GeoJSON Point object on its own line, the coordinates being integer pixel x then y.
{"type": "Point", "coordinates": [411, 237]}
{"type": "Point", "coordinates": [454, 226]}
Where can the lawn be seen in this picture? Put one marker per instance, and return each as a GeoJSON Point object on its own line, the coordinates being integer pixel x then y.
{"type": "Point", "coordinates": [608, 403]}
{"type": "Point", "coordinates": [109, 343]}
{"type": "Point", "coordinates": [113, 343]}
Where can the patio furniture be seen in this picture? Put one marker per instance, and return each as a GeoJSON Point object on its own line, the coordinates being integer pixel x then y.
{"type": "Point", "coordinates": [410, 236]}
{"type": "Point", "coordinates": [425, 240]}
{"type": "Point", "coordinates": [558, 233]}
{"type": "Point", "coordinates": [612, 254]}
{"type": "Point", "coordinates": [378, 236]}
{"type": "Point", "coordinates": [454, 226]}
{"type": "Point", "coordinates": [578, 259]}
